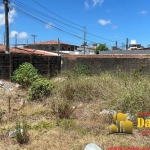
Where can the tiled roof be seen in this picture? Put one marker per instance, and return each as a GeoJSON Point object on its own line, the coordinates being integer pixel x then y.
{"type": "Point", "coordinates": [52, 42]}
{"type": "Point", "coordinates": [27, 51]}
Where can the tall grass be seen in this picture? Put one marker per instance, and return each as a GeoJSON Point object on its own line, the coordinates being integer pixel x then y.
{"type": "Point", "coordinates": [123, 92]}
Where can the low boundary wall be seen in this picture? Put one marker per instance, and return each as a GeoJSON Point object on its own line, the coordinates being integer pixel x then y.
{"type": "Point", "coordinates": [46, 65]}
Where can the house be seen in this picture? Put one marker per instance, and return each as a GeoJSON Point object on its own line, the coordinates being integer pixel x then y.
{"type": "Point", "coordinates": [52, 46]}
{"type": "Point", "coordinates": [21, 50]}
{"type": "Point", "coordinates": [135, 46]}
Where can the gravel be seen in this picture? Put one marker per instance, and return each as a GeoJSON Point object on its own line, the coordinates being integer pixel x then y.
{"type": "Point", "coordinates": [8, 86]}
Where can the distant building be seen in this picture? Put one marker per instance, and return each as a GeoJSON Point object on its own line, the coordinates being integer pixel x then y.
{"type": "Point", "coordinates": [134, 46]}
{"type": "Point", "coordinates": [52, 46]}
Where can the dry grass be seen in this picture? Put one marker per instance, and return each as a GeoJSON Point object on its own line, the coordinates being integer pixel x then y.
{"type": "Point", "coordinates": [87, 96]}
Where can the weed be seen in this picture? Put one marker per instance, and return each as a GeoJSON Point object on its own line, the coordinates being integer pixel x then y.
{"type": "Point", "coordinates": [138, 72]}
{"type": "Point", "coordinates": [43, 125]}
{"type": "Point", "coordinates": [66, 124]}
{"type": "Point", "coordinates": [63, 109]}
{"type": "Point", "coordinates": [77, 90]}
{"type": "Point", "coordinates": [1, 113]}
{"type": "Point", "coordinates": [21, 134]}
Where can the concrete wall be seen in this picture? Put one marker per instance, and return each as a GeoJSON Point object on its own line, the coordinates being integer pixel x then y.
{"type": "Point", "coordinates": [46, 65]}
{"type": "Point", "coordinates": [98, 63]}
{"type": "Point", "coordinates": [125, 52]}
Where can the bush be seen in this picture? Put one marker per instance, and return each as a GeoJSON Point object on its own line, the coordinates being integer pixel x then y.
{"type": "Point", "coordinates": [40, 89]}
{"type": "Point", "coordinates": [21, 134]}
{"type": "Point", "coordinates": [25, 74]}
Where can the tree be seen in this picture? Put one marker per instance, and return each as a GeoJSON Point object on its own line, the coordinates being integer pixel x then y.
{"type": "Point", "coordinates": [101, 47]}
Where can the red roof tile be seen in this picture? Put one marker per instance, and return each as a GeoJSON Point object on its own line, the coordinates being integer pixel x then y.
{"type": "Point", "coordinates": [52, 42]}
{"type": "Point", "coordinates": [26, 51]}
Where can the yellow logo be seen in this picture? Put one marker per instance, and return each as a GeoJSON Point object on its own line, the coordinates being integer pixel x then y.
{"type": "Point", "coordinates": [143, 123]}
{"type": "Point", "coordinates": [121, 124]}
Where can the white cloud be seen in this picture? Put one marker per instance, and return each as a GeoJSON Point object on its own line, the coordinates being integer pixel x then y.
{"type": "Point", "coordinates": [143, 12]}
{"type": "Point", "coordinates": [12, 34]}
{"type": "Point", "coordinates": [11, 15]}
{"type": "Point", "coordinates": [95, 2]}
{"type": "Point", "coordinates": [49, 25]}
{"type": "Point", "coordinates": [86, 4]}
{"type": "Point", "coordinates": [21, 35]}
{"type": "Point", "coordinates": [104, 22]}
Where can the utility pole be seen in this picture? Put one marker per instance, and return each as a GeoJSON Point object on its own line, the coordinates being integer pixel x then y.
{"type": "Point", "coordinates": [84, 38]}
{"type": "Point", "coordinates": [127, 43]}
{"type": "Point", "coordinates": [4, 39]}
{"type": "Point", "coordinates": [6, 26]}
{"type": "Point", "coordinates": [58, 46]}
{"type": "Point", "coordinates": [33, 38]}
{"type": "Point", "coordinates": [84, 43]}
{"type": "Point", "coordinates": [116, 45]}
{"type": "Point", "coordinates": [15, 41]}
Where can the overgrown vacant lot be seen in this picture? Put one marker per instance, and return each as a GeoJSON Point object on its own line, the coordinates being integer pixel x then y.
{"type": "Point", "coordinates": [69, 118]}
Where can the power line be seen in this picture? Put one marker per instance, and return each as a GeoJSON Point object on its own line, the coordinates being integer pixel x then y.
{"type": "Point", "coordinates": [45, 18]}
{"type": "Point", "coordinates": [24, 6]}
{"type": "Point", "coordinates": [19, 3]}
{"type": "Point", "coordinates": [69, 21]}
{"type": "Point", "coordinates": [56, 14]}
{"type": "Point", "coordinates": [29, 15]}
{"type": "Point", "coordinates": [37, 19]}
{"type": "Point", "coordinates": [99, 37]}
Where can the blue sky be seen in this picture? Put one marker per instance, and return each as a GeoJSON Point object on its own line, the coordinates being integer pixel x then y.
{"type": "Point", "coordinates": [108, 20]}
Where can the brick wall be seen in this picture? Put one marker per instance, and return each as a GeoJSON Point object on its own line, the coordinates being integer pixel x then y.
{"type": "Point", "coordinates": [49, 65]}
{"type": "Point", "coordinates": [46, 65]}
{"type": "Point", "coordinates": [99, 63]}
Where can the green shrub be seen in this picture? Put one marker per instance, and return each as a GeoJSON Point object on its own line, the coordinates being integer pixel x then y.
{"type": "Point", "coordinates": [25, 74]}
{"type": "Point", "coordinates": [40, 89]}
{"type": "Point", "coordinates": [21, 134]}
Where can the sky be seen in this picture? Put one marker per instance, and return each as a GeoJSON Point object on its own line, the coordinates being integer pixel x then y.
{"type": "Point", "coordinates": [99, 21]}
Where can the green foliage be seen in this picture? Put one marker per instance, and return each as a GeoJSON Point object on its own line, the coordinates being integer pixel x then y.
{"type": "Point", "coordinates": [40, 89]}
{"type": "Point", "coordinates": [25, 74]}
{"type": "Point", "coordinates": [66, 124]}
{"type": "Point", "coordinates": [82, 70]}
{"type": "Point", "coordinates": [43, 125]}
{"type": "Point", "coordinates": [101, 47]}
{"type": "Point", "coordinates": [21, 133]}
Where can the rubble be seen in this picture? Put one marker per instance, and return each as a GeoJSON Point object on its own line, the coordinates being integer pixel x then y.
{"type": "Point", "coordinates": [8, 86]}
